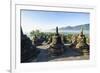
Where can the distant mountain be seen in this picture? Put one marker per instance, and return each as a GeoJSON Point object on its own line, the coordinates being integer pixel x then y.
{"type": "Point", "coordinates": [78, 27]}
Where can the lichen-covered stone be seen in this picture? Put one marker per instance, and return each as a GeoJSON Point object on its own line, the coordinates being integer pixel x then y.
{"type": "Point", "coordinates": [57, 46]}
{"type": "Point", "coordinates": [81, 43]}
{"type": "Point", "coordinates": [49, 40]}
{"type": "Point", "coordinates": [38, 40]}
{"type": "Point", "coordinates": [74, 41]}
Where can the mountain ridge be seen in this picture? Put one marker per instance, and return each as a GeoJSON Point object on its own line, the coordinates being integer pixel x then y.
{"type": "Point", "coordinates": [77, 27]}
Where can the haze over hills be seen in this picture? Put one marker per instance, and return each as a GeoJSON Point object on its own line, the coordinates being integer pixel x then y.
{"type": "Point", "coordinates": [78, 27]}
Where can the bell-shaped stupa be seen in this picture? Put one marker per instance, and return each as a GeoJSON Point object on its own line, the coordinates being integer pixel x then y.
{"type": "Point", "coordinates": [56, 46]}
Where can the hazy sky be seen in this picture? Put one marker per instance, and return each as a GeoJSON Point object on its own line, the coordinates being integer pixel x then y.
{"type": "Point", "coordinates": [44, 20]}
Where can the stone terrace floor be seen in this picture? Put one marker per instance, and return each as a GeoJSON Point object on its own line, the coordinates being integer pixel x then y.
{"type": "Point", "coordinates": [69, 54]}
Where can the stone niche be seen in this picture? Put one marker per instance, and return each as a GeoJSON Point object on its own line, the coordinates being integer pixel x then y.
{"type": "Point", "coordinates": [28, 51]}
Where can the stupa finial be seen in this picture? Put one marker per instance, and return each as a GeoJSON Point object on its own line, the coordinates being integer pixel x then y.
{"type": "Point", "coordinates": [57, 30]}
{"type": "Point", "coordinates": [81, 30]}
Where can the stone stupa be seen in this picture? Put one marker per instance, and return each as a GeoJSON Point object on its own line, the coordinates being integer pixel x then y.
{"type": "Point", "coordinates": [28, 51]}
{"type": "Point", "coordinates": [73, 41]}
{"type": "Point", "coordinates": [81, 43]}
{"type": "Point", "coordinates": [81, 40]}
{"type": "Point", "coordinates": [49, 40]}
{"type": "Point", "coordinates": [56, 46]}
{"type": "Point", "coordinates": [34, 40]}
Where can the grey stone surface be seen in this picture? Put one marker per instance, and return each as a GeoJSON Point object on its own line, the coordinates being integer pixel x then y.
{"type": "Point", "coordinates": [56, 46]}
{"type": "Point", "coordinates": [27, 49]}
